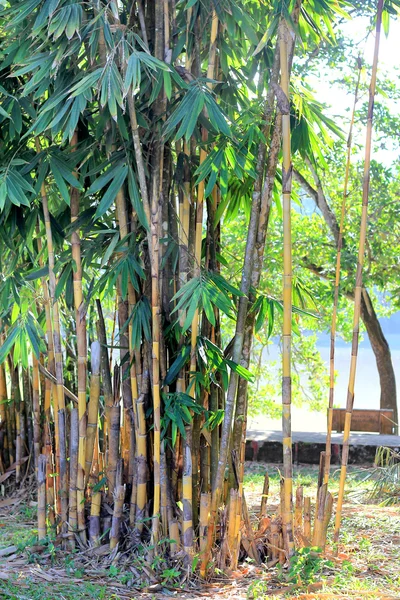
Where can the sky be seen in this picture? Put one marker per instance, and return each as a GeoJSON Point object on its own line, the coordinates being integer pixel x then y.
{"type": "Point", "coordinates": [389, 55]}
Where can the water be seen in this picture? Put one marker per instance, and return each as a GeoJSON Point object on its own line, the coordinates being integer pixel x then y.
{"type": "Point", "coordinates": [367, 388]}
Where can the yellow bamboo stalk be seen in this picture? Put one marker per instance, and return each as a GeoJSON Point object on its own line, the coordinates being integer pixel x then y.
{"type": "Point", "coordinates": [36, 410]}
{"type": "Point", "coordinates": [284, 106]}
{"type": "Point", "coordinates": [188, 468]}
{"type": "Point", "coordinates": [174, 536]}
{"type": "Point", "coordinates": [50, 389]}
{"type": "Point", "coordinates": [205, 503]}
{"type": "Point", "coordinates": [187, 491]}
{"type": "Point", "coordinates": [137, 405]}
{"type": "Point", "coordinates": [358, 286]}
{"type": "Point", "coordinates": [58, 361]}
{"type": "Point", "coordinates": [298, 514]}
{"type": "Point", "coordinates": [200, 193]}
{"type": "Point", "coordinates": [328, 451]}
{"type": "Point", "coordinates": [95, 506]}
{"type": "Point", "coordinates": [231, 537]}
{"type": "Point", "coordinates": [73, 469]}
{"type": "Point", "coordinates": [264, 497]}
{"type": "Point", "coordinates": [3, 393]}
{"type": "Point", "coordinates": [80, 324]}
{"type": "Point", "coordinates": [63, 473]}
{"type": "Point", "coordinates": [93, 408]}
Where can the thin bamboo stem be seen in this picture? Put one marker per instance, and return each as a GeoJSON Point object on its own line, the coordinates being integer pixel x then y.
{"type": "Point", "coordinates": [307, 517]}
{"type": "Point", "coordinates": [328, 451]}
{"type": "Point", "coordinates": [284, 106]}
{"type": "Point", "coordinates": [36, 409]}
{"type": "Point", "coordinates": [264, 497]}
{"type": "Point", "coordinates": [41, 510]}
{"type": "Point", "coordinates": [55, 317]}
{"type": "Point", "coordinates": [73, 470]}
{"type": "Point", "coordinates": [80, 325]}
{"type": "Point", "coordinates": [93, 408]}
{"type": "Point", "coordinates": [63, 472]}
{"type": "Point", "coordinates": [358, 286]}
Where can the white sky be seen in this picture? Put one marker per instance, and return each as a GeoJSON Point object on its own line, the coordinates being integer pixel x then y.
{"type": "Point", "coordinates": [389, 61]}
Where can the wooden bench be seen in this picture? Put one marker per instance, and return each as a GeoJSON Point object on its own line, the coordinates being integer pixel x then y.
{"type": "Point", "coordinates": [380, 421]}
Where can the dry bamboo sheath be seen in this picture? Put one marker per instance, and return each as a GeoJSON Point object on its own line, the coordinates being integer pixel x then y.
{"type": "Point", "coordinates": [358, 286]}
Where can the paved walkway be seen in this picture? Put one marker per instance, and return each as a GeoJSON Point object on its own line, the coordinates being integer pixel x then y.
{"type": "Point", "coordinates": [312, 437]}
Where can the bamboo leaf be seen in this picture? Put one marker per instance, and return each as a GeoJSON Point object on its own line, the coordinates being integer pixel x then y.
{"type": "Point", "coordinates": [112, 191]}
{"type": "Point", "coordinates": [8, 342]}
{"type": "Point", "coordinates": [178, 364]}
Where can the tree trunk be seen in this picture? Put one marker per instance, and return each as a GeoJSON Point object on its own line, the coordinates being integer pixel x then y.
{"type": "Point", "coordinates": [382, 353]}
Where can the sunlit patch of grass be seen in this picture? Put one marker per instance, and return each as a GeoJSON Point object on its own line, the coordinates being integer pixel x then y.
{"type": "Point", "coordinates": [25, 589]}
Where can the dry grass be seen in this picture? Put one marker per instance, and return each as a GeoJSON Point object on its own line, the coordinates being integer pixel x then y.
{"type": "Point", "coordinates": [367, 566]}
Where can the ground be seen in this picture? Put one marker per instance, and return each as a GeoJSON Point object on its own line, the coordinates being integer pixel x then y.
{"type": "Point", "coordinates": [367, 566]}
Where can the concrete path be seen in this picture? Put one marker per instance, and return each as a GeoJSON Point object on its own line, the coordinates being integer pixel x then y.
{"type": "Point", "coordinates": [312, 437]}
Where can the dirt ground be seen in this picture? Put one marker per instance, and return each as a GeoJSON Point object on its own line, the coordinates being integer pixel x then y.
{"type": "Point", "coordinates": [367, 564]}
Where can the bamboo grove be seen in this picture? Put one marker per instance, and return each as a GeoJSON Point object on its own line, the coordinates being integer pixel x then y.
{"type": "Point", "coordinates": [128, 130]}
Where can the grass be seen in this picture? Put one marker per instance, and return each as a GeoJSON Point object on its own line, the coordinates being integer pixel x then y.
{"type": "Point", "coordinates": [368, 565]}
{"type": "Point", "coordinates": [369, 552]}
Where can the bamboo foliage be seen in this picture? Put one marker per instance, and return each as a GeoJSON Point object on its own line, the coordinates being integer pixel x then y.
{"type": "Point", "coordinates": [136, 140]}
{"type": "Point", "coordinates": [358, 282]}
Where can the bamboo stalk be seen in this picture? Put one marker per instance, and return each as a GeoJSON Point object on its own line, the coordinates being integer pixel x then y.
{"type": "Point", "coordinates": [58, 362]}
{"type": "Point", "coordinates": [93, 408]}
{"type": "Point", "coordinates": [117, 516]}
{"type": "Point", "coordinates": [95, 507]}
{"type": "Point", "coordinates": [284, 107]}
{"type": "Point", "coordinates": [105, 369]}
{"type": "Point", "coordinates": [73, 470]}
{"type": "Point", "coordinates": [80, 325]}
{"type": "Point", "coordinates": [114, 434]}
{"type": "Point", "coordinates": [317, 539]}
{"type": "Point", "coordinates": [187, 531]}
{"type": "Point", "coordinates": [328, 451]}
{"type": "Point", "coordinates": [174, 536]}
{"type": "Point", "coordinates": [205, 501]}
{"type": "Point", "coordinates": [41, 510]}
{"type": "Point", "coordinates": [274, 540]}
{"type": "Point", "coordinates": [264, 497]}
{"type": "Point", "coordinates": [307, 517]}
{"type": "Point", "coordinates": [36, 410]}
{"type": "Point", "coordinates": [231, 537]}
{"type": "Point", "coordinates": [63, 472]}
{"type": "Point", "coordinates": [327, 518]}
{"type": "Point", "coordinates": [298, 514]}
{"type": "Point", "coordinates": [3, 392]}
{"type": "Point", "coordinates": [358, 286]}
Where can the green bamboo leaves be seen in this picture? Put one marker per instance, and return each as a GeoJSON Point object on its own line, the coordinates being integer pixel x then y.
{"type": "Point", "coordinates": [205, 291]}
{"type": "Point", "coordinates": [184, 119]}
